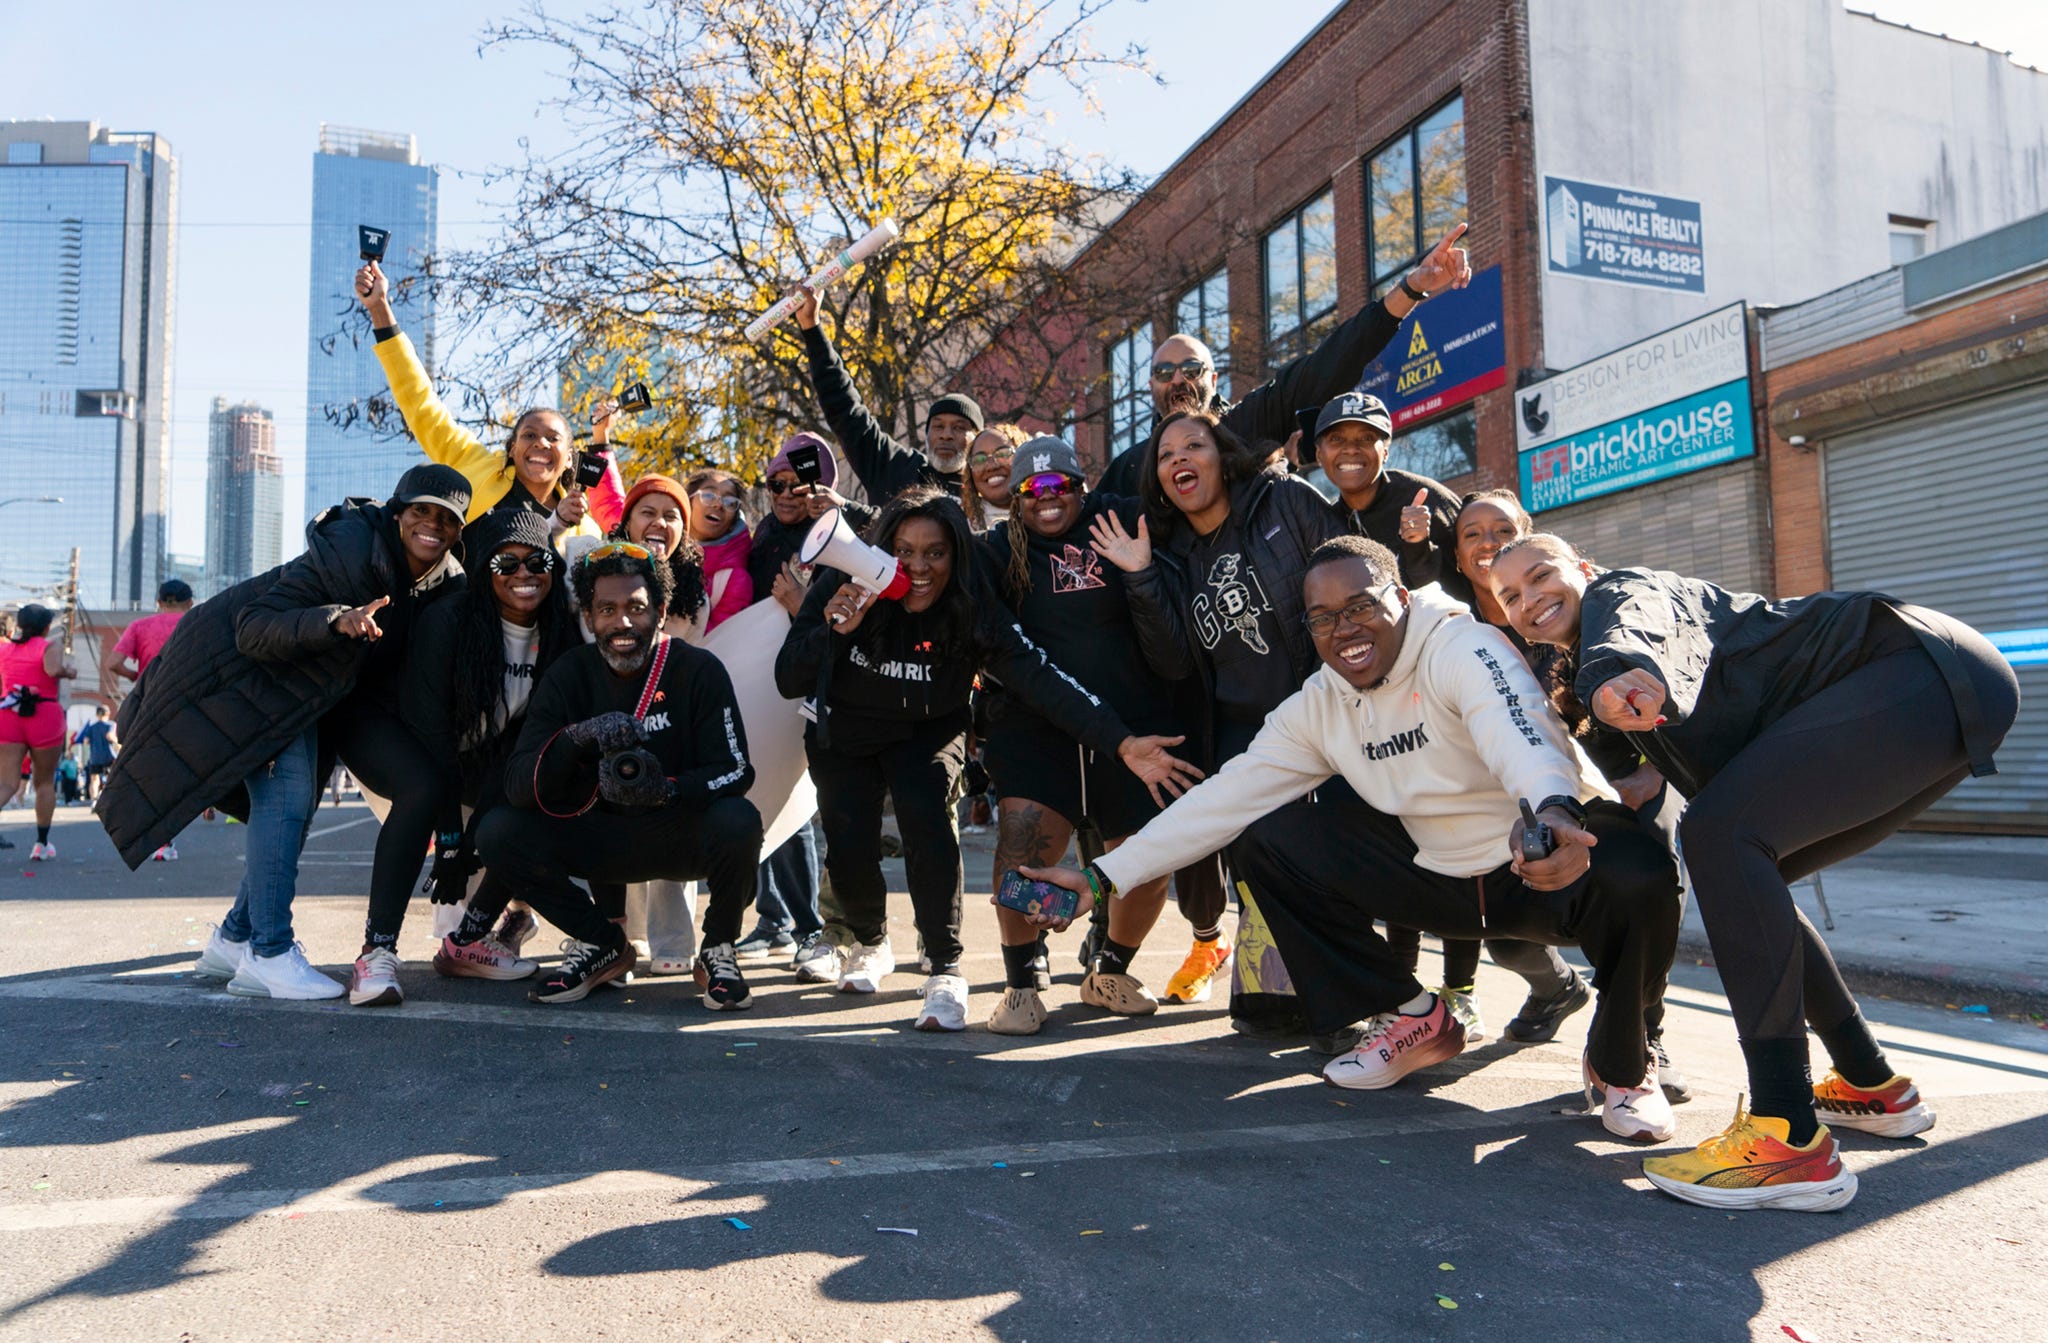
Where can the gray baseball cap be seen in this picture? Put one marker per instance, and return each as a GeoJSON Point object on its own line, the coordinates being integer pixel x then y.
{"type": "Point", "coordinates": [1042, 454]}
{"type": "Point", "coordinates": [1355, 408]}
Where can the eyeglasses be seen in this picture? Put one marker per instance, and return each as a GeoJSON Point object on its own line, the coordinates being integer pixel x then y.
{"type": "Point", "coordinates": [629, 549]}
{"type": "Point", "coordinates": [984, 458]}
{"type": "Point", "coordinates": [1047, 485]}
{"type": "Point", "coordinates": [539, 562]}
{"type": "Point", "coordinates": [1361, 612]}
{"type": "Point", "coordinates": [714, 499]}
{"type": "Point", "coordinates": [1192, 369]}
{"type": "Point", "coordinates": [778, 488]}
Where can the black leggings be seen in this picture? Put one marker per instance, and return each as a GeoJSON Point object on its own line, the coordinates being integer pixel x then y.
{"type": "Point", "coordinates": [1834, 776]}
{"type": "Point", "coordinates": [920, 775]}
{"type": "Point", "coordinates": [380, 750]}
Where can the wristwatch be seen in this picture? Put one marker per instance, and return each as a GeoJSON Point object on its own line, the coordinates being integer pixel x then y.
{"type": "Point", "coordinates": [1570, 806]}
{"type": "Point", "coordinates": [1412, 292]}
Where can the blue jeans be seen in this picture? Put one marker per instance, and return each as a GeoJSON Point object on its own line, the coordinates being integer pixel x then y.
{"type": "Point", "coordinates": [282, 795]}
{"type": "Point", "coordinates": [787, 896]}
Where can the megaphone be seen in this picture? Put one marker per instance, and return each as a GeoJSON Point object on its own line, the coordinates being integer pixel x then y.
{"type": "Point", "coordinates": [833, 543]}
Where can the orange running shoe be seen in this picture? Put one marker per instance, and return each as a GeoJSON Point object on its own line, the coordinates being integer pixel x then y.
{"type": "Point", "coordinates": [1893, 1110]}
{"type": "Point", "coordinates": [1192, 982]}
{"type": "Point", "coordinates": [1752, 1164]}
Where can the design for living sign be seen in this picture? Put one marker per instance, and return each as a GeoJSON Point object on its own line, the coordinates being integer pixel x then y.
{"type": "Point", "coordinates": [1601, 232]}
{"type": "Point", "coordinates": [1674, 403]}
{"type": "Point", "coordinates": [1446, 352]}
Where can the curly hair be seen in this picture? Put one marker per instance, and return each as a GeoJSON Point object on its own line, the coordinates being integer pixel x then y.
{"type": "Point", "coordinates": [1240, 463]}
{"type": "Point", "coordinates": [685, 572]}
{"type": "Point", "coordinates": [970, 496]}
{"type": "Point", "coordinates": [660, 583]}
{"type": "Point", "coordinates": [954, 607]}
{"type": "Point", "coordinates": [476, 680]}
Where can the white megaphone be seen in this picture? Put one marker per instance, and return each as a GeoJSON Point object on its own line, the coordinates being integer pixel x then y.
{"type": "Point", "coordinates": [833, 543]}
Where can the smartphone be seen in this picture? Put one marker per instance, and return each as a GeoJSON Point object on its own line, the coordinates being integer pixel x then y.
{"type": "Point", "coordinates": [1041, 899]}
{"type": "Point", "coordinates": [371, 242]}
{"type": "Point", "coordinates": [1305, 420]}
{"type": "Point", "coordinates": [804, 460]}
{"type": "Point", "coordinates": [590, 465]}
{"type": "Point", "coordinates": [1537, 841]}
{"type": "Point", "coordinates": [634, 398]}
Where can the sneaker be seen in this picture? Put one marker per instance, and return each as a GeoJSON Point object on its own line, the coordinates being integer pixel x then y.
{"type": "Point", "coordinates": [719, 979]}
{"type": "Point", "coordinates": [1396, 1045]}
{"type": "Point", "coordinates": [1119, 993]}
{"type": "Point", "coordinates": [1197, 974]}
{"type": "Point", "coordinates": [42, 853]}
{"type": "Point", "coordinates": [374, 980]}
{"type": "Point", "coordinates": [1021, 1012]}
{"type": "Point", "coordinates": [166, 854]}
{"type": "Point", "coordinates": [1676, 1089]}
{"type": "Point", "coordinates": [285, 975]}
{"type": "Point", "coordinates": [1893, 1110]}
{"type": "Point", "coordinates": [945, 1004]}
{"type": "Point", "coordinates": [861, 969]}
{"type": "Point", "coordinates": [763, 942]}
{"type": "Point", "coordinates": [665, 965]}
{"type": "Point", "coordinates": [1543, 1013]}
{"type": "Point", "coordinates": [570, 946]}
{"type": "Point", "coordinates": [221, 958]}
{"type": "Point", "coordinates": [1752, 1164]}
{"type": "Point", "coordinates": [1465, 1008]}
{"type": "Point", "coordinates": [1638, 1113]}
{"type": "Point", "coordinates": [1340, 1041]}
{"type": "Point", "coordinates": [586, 967]}
{"type": "Point", "coordinates": [485, 958]}
{"type": "Point", "coordinates": [516, 929]}
{"type": "Point", "coordinates": [816, 960]}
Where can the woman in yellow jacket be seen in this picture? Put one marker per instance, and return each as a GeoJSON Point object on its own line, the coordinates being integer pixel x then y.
{"type": "Point", "coordinates": [534, 470]}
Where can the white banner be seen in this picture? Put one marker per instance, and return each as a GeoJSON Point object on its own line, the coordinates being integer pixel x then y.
{"type": "Point", "coordinates": [1705, 352]}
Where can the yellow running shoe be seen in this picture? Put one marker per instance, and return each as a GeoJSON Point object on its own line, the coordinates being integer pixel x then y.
{"type": "Point", "coordinates": [1752, 1164]}
{"type": "Point", "coordinates": [1191, 983]}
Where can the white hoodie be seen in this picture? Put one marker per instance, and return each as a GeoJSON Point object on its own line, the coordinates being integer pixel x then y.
{"type": "Point", "coordinates": [1448, 742]}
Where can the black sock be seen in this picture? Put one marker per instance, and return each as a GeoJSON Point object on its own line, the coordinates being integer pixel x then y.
{"type": "Point", "coordinates": [373, 939]}
{"type": "Point", "coordinates": [1017, 966]}
{"type": "Point", "coordinates": [475, 927]}
{"type": "Point", "coordinates": [1854, 1052]}
{"type": "Point", "coordinates": [42, 834]}
{"type": "Point", "coordinates": [1781, 1085]}
{"type": "Point", "coordinates": [1114, 958]}
{"type": "Point", "coordinates": [1209, 934]}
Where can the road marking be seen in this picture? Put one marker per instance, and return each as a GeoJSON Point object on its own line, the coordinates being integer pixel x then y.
{"type": "Point", "coordinates": [345, 825]}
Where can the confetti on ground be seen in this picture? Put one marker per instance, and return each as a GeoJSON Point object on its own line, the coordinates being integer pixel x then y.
{"type": "Point", "coordinates": [437, 1202]}
{"type": "Point", "coordinates": [229, 1044]}
{"type": "Point", "coordinates": [1385, 1162]}
{"type": "Point", "coordinates": [1342, 1104]}
{"type": "Point", "coordinates": [302, 1102]}
{"type": "Point", "coordinates": [729, 1054]}
{"type": "Point", "coordinates": [40, 1184]}
{"type": "Point", "coordinates": [1447, 1267]}
{"type": "Point", "coordinates": [604, 1086]}
{"type": "Point", "coordinates": [737, 1225]}
{"type": "Point", "coordinates": [746, 1044]}
{"type": "Point", "coordinates": [898, 1230]}
{"type": "Point", "coordinates": [1091, 1233]}
{"type": "Point", "coordinates": [999, 1165]}
{"type": "Point", "coordinates": [1795, 1334]}
{"type": "Point", "coordinates": [835, 1161]}
{"type": "Point", "coordinates": [1979, 1009]}
{"type": "Point", "coordinates": [1027, 1174]}
{"type": "Point", "coordinates": [1446, 1302]}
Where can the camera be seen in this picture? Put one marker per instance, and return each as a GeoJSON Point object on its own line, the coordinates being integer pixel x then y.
{"type": "Point", "coordinates": [590, 465]}
{"type": "Point", "coordinates": [635, 398]}
{"type": "Point", "coordinates": [804, 460]}
{"type": "Point", "coordinates": [371, 242]}
{"type": "Point", "coordinates": [632, 777]}
{"type": "Point", "coordinates": [1537, 841]}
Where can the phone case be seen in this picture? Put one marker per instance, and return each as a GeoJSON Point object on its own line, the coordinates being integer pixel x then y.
{"type": "Point", "coordinates": [1041, 899]}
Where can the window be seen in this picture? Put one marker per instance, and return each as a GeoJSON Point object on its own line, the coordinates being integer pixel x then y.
{"type": "Point", "coordinates": [1414, 192]}
{"type": "Point", "coordinates": [1204, 312]}
{"type": "Point", "coordinates": [1130, 389]}
{"type": "Point", "coordinates": [25, 152]}
{"type": "Point", "coordinates": [1444, 448]}
{"type": "Point", "coordinates": [1301, 280]}
{"type": "Point", "coordinates": [1910, 238]}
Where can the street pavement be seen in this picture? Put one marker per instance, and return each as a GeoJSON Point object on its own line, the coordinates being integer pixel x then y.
{"type": "Point", "coordinates": [179, 1164]}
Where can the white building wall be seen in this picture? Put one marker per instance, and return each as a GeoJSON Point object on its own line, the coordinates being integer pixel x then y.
{"type": "Point", "coordinates": [1800, 128]}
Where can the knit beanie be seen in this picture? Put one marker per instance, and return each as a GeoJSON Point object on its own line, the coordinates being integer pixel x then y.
{"type": "Point", "coordinates": [655, 483]}
{"type": "Point", "coordinates": [503, 527]}
{"type": "Point", "coordinates": [957, 403]}
{"type": "Point", "coordinates": [828, 466]}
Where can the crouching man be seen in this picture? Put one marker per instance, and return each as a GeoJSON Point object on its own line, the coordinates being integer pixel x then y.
{"type": "Point", "coordinates": [635, 760]}
{"type": "Point", "coordinates": [1438, 726]}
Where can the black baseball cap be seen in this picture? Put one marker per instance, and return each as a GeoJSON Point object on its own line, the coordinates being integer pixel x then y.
{"type": "Point", "coordinates": [1355, 408]}
{"type": "Point", "coordinates": [432, 483]}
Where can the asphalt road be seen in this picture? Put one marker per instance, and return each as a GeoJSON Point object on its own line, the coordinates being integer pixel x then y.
{"type": "Point", "coordinates": [179, 1164]}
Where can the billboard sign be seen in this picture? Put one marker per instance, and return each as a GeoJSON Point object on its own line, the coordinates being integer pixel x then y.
{"type": "Point", "coordinates": [1688, 358]}
{"type": "Point", "coordinates": [1693, 433]}
{"type": "Point", "coordinates": [1619, 234]}
{"type": "Point", "coordinates": [1446, 352]}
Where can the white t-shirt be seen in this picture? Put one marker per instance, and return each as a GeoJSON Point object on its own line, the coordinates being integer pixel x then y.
{"type": "Point", "coordinates": [522, 643]}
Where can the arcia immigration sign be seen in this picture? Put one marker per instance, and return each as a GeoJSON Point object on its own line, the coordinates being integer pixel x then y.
{"type": "Point", "coordinates": [1673, 403]}
{"type": "Point", "coordinates": [1446, 352]}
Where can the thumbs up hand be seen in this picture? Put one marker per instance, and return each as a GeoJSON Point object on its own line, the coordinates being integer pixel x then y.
{"type": "Point", "coordinates": [1415, 519]}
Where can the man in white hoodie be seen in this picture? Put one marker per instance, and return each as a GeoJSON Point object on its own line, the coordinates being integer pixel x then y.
{"type": "Point", "coordinates": [1437, 724]}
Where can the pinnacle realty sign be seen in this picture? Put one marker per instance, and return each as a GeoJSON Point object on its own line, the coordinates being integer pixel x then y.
{"type": "Point", "coordinates": [1674, 403]}
{"type": "Point", "coordinates": [1624, 236]}
{"type": "Point", "coordinates": [1445, 353]}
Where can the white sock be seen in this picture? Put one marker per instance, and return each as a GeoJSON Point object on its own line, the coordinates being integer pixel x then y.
{"type": "Point", "coordinates": [1419, 1004]}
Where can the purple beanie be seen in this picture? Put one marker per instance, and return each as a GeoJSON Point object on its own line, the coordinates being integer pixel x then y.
{"type": "Point", "coordinates": [828, 465]}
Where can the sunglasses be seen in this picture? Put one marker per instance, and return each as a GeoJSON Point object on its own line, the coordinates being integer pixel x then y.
{"type": "Point", "coordinates": [778, 488]}
{"type": "Point", "coordinates": [629, 549]}
{"type": "Point", "coordinates": [1193, 369]}
{"type": "Point", "coordinates": [539, 562]}
{"type": "Point", "coordinates": [984, 458]}
{"type": "Point", "coordinates": [1046, 485]}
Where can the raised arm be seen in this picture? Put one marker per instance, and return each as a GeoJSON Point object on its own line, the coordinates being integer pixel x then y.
{"type": "Point", "coordinates": [884, 466]}
{"type": "Point", "coordinates": [439, 436]}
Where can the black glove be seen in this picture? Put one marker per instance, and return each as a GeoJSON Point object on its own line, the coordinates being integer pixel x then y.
{"type": "Point", "coordinates": [975, 776]}
{"type": "Point", "coordinates": [633, 778]}
{"type": "Point", "coordinates": [455, 862]}
{"type": "Point", "coordinates": [605, 734]}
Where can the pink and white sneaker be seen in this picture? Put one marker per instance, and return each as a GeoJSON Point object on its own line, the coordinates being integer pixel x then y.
{"type": "Point", "coordinates": [43, 853]}
{"type": "Point", "coordinates": [1395, 1045]}
{"type": "Point", "coordinates": [485, 958]}
{"type": "Point", "coordinates": [1639, 1113]}
{"type": "Point", "coordinates": [167, 854]}
{"type": "Point", "coordinates": [373, 982]}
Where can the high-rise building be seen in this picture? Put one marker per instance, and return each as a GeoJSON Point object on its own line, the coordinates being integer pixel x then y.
{"type": "Point", "coordinates": [355, 444]}
{"type": "Point", "coordinates": [88, 248]}
{"type": "Point", "coordinates": [244, 494]}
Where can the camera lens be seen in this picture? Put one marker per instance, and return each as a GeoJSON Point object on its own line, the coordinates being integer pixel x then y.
{"type": "Point", "coordinates": [626, 768]}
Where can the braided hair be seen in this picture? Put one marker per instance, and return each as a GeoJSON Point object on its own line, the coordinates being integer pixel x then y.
{"type": "Point", "coordinates": [476, 684]}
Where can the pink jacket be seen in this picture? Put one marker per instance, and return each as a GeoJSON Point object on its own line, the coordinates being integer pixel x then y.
{"type": "Point", "coordinates": [727, 556]}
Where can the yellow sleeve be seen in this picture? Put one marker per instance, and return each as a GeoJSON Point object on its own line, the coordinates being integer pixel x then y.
{"type": "Point", "coordinates": [440, 437]}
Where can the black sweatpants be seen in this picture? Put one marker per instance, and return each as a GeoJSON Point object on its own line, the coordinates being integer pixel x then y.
{"type": "Point", "coordinates": [536, 855]}
{"type": "Point", "coordinates": [380, 750]}
{"type": "Point", "coordinates": [1322, 872]}
{"type": "Point", "coordinates": [919, 774]}
{"type": "Point", "coordinates": [1832, 777]}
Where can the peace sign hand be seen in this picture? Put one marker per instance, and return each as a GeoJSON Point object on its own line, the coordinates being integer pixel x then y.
{"type": "Point", "coordinates": [359, 622]}
{"type": "Point", "coordinates": [1415, 519]}
{"type": "Point", "coordinates": [1445, 267]}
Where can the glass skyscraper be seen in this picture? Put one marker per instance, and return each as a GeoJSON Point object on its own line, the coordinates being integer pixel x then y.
{"type": "Point", "coordinates": [244, 494]}
{"type": "Point", "coordinates": [87, 255]}
{"type": "Point", "coordinates": [355, 443]}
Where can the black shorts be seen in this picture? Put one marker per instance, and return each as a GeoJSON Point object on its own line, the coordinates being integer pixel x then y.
{"type": "Point", "coordinates": [1029, 758]}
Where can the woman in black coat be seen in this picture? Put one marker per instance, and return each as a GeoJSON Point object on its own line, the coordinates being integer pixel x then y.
{"type": "Point", "coordinates": [230, 714]}
{"type": "Point", "coordinates": [1801, 732]}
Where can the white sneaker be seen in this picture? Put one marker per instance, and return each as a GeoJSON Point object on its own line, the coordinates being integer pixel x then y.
{"type": "Point", "coordinates": [816, 960]}
{"type": "Point", "coordinates": [1465, 1008]}
{"type": "Point", "coordinates": [374, 980]}
{"type": "Point", "coordinates": [1638, 1113]}
{"type": "Point", "coordinates": [945, 1004]}
{"type": "Point", "coordinates": [285, 975]}
{"type": "Point", "coordinates": [221, 958]}
{"type": "Point", "coordinates": [42, 853]}
{"type": "Point", "coordinates": [862, 969]}
{"type": "Point", "coordinates": [669, 965]}
{"type": "Point", "coordinates": [167, 854]}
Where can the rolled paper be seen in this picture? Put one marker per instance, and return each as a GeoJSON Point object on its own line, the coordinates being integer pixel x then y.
{"type": "Point", "coordinates": [878, 237]}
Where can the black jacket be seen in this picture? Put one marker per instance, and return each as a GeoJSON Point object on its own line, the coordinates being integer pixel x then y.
{"type": "Point", "coordinates": [776, 544]}
{"type": "Point", "coordinates": [888, 677]}
{"type": "Point", "coordinates": [1266, 413]}
{"type": "Point", "coordinates": [1422, 562]}
{"type": "Point", "coordinates": [249, 670]}
{"type": "Point", "coordinates": [885, 467]}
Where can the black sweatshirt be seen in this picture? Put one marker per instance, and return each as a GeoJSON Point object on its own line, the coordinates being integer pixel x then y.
{"type": "Point", "coordinates": [1422, 562]}
{"type": "Point", "coordinates": [885, 467]}
{"type": "Point", "coordinates": [1266, 414]}
{"type": "Point", "coordinates": [693, 727]}
{"type": "Point", "coordinates": [891, 675]}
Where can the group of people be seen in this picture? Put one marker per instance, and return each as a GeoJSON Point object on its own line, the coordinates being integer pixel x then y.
{"type": "Point", "coordinates": [1368, 712]}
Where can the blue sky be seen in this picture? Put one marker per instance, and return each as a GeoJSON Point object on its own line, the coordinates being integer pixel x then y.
{"type": "Point", "coordinates": [240, 89]}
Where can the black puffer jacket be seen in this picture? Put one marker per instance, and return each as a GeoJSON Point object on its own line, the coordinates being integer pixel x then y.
{"type": "Point", "coordinates": [248, 671]}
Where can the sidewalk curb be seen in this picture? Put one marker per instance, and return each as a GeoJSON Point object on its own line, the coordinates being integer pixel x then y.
{"type": "Point", "coordinates": [1935, 984]}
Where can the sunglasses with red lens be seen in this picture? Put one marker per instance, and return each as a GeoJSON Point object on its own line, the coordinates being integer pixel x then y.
{"type": "Point", "coordinates": [1046, 485]}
